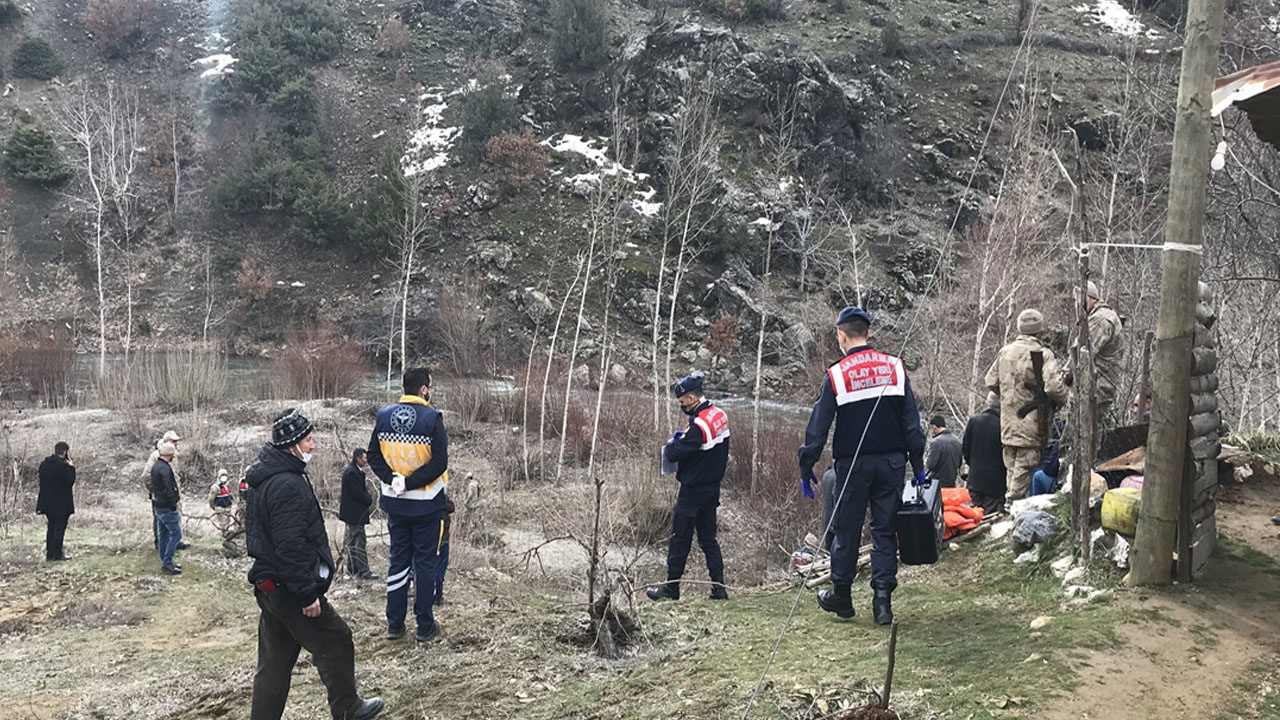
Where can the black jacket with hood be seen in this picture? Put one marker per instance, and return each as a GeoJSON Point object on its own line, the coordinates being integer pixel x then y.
{"type": "Point", "coordinates": [284, 529]}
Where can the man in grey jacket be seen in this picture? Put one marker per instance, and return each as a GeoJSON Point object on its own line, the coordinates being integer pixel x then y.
{"type": "Point", "coordinates": [945, 455]}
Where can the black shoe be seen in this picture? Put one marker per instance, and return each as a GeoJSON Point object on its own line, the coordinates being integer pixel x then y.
{"type": "Point", "coordinates": [1275, 519]}
{"type": "Point", "coordinates": [62, 558]}
{"type": "Point", "coordinates": [170, 570]}
{"type": "Point", "coordinates": [835, 601]}
{"type": "Point", "coordinates": [430, 634]}
{"type": "Point", "coordinates": [368, 708]}
{"type": "Point", "coordinates": [183, 546]}
{"type": "Point", "coordinates": [882, 607]}
{"type": "Point", "coordinates": [366, 576]}
{"type": "Point", "coordinates": [718, 592]}
{"type": "Point", "coordinates": [438, 602]}
{"type": "Point", "coordinates": [669, 590]}
{"type": "Point", "coordinates": [395, 633]}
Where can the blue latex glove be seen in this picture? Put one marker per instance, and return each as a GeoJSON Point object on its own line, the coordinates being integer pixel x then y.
{"type": "Point", "coordinates": [920, 479]}
{"type": "Point", "coordinates": [806, 486]}
{"type": "Point", "coordinates": [676, 436]}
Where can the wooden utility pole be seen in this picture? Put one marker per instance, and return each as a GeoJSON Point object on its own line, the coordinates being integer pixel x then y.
{"type": "Point", "coordinates": [1179, 274]}
{"type": "Point", "coordinates": [1144, 386]}
{"type": "Point", "coordinates": [1086, 422]}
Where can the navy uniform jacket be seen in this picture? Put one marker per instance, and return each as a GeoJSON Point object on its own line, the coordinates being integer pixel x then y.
{"type": "Point", "coordinates": [702, 453]}
{"type": "Point", "coordinates": [848, 396]}
{"type": "Point", "coordinates": [409, 438]}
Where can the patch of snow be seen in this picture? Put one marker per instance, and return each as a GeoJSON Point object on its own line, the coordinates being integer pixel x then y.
{"type": "Point", "coordinates": [429, 145]}
{"type": "Point", "coordinates": [1114, 16]}
{"type": "Point", "coordinates": [379, 134]}
{"type": "Point", "coordinates": [216, 65]}
{"type": "Point", "coordinates": [297, 284]}
{"type": "Point", "coordinates": [594, 152]}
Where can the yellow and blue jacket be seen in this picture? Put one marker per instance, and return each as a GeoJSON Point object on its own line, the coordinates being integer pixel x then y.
{"type": "Point", "coordinates": [409, 438]}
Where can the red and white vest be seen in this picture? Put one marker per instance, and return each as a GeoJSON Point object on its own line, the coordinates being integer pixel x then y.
{"type": "Point", "coordinates": [714, 425]}
{"type": "Point", "coordinates": [867, 375]}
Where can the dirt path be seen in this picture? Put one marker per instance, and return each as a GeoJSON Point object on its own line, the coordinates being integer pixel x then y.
{"type": "Point", "coordinates": [1204, 639]}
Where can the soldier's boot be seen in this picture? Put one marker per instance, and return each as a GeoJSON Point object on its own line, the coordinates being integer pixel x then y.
{"type": "Point", "coordinates": [670, 590]}
{"type": "Point", "coordinates": [838, 601]}
{"type": "Point", "coordinates": [718, 591]}
{"type": "Point", "coordinates": [882, 607]}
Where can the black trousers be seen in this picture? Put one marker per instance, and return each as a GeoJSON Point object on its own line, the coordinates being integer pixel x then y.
{"type": "Point", "coordinates": [357, 550]}
{"type": "Point", "coordinates": [54, 535]}
{"type": "Point", "coordinates": [695, 515]}
{"type": "Point", "coordinates": [875, 482]}
{"type": "Point", "coordinates": [282, 631]}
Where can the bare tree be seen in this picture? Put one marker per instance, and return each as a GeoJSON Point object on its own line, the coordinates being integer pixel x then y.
{"type": "Point", "coordinates": [102, 125]}
{"type": "Point", "coordinates": [807, 239]}
{"type": "Point", "coordinates": [412, 226]}
{"type": "Point", "coordinates": [690, 209]}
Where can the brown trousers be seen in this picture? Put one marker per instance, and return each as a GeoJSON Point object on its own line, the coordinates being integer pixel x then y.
{"type": "Point", "coordinates": [1020, 463]}
{"type": "Point", "coordinates": [282, 631]}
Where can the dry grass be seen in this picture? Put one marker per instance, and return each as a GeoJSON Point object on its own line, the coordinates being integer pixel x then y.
{"type": "Point", "coordinates": [318, 364]}
{"type": "Point", "coordinates": [38, 368]}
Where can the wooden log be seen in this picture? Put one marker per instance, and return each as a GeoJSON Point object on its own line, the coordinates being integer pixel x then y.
{"type": "Point", "coordinates": [1204, 338]}
{"type": "Point", "coordinates": [1206, 447]}
{"type": "Point", "coordinates": [1204, 539]}
{"type": "Point", "coordinates": [1205, 315]}
{"type": "Point", "coordinates": [1202, 384]}
{"type": "Point", "coordinates": [1203, 403]}
{"type": "Point", "coordinates": [1204, 361]}
{"type": "Point", "coordinates": [1204, 511]}
{"type": "Point", "coordinates": [1204, 482]}
{"type": "Point", "coordinates": [1205, 423]}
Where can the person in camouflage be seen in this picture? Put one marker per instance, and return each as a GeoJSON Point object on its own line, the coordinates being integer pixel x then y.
{"type": "Point", "coordinates": [1012, 378]}
{"type": "Point", "coordinates": [1107, 340]}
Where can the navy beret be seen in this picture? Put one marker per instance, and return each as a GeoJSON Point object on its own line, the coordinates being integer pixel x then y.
{"type": "Point", "coordinates": [852, 313]}
{"type": "Point", "coordinates": [690, 384]}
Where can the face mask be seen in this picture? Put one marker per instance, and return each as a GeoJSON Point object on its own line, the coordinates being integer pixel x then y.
{"type": "Point", "coordinates": [306, 457]}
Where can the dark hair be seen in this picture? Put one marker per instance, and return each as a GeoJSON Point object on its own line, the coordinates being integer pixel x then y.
{"type": "Point", "coordinates": [61, 448]}
{"type": "Point", "coordinates": [357, 454]}
{"type": "Point", "coordinates": [855, 328]}
{"type": "Point", "coordinates": [938, 421]}
{"type": "Point", "coordinates": [415, 378]}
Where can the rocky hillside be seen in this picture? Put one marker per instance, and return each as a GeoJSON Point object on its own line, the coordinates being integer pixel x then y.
{"type": "Point", "coordinates": [849, 133]}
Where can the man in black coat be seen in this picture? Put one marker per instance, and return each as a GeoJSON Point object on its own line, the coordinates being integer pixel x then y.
{"type": "Point", "coordinates": [353, 509]}
{"type": "Point", "coordinates": [57, 476]}
{"type": "Point", "coordinates": [945, 453]}
{"type": "Point", "coordinates": [700, 453]}
{"type": "Point", "coordinates": [292, 569]}
{"type": "Point", "coordinates": [164, 504]}
{"type": "Point", "coordinates": [984, 453]}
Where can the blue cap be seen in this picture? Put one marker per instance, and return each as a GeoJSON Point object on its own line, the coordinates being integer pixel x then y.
{"type": "Point", "coordinates": [690, 384]}
{"type": "Point", "coordinates": [852, 313]}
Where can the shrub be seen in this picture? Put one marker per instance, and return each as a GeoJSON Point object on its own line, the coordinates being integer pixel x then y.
{"type": "Point", "coordinates": [43, 366]}
{"type": "Point", "coordinates": [252, 284]}
{"type": "Point", "coordinates": [763, 9]}
{"type": "Point", "coordinates": [722, 337]}
{"type": "Point", "coordinates": [276, 38]}
{"type": "Point", "coordinates": [9, 13]}
{"type": "Point", "coordinates": [295, 107]}
{"type": "Point", "coordinates": [393, 38]}
{"type": "Point", "coordinates": [319, 364]}
{"type": "Point", "coordinates": [375, 219]}
{"type": "Point", "coordinates": [34, 58]}
{"type": "Point", "coordinates": [519, 157]}
{"type": "Point", "coordinates": [891, 44]}
{"type": "Point", "coordinates": [113, 23]}
{"type": "Point", "coordinates": [580, 34]}
{"type": "Point", "coordinates": [486, 111]}
{"type": "Point", "coordinates": [319, 212]}
{"type": "Point", "coordinates": [32, 154]}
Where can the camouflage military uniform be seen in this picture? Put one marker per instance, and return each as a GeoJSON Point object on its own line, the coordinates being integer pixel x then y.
{"type": "Point", "coordinates": [1108, 350]}
{"type": "Point", "coordinates": [1013, 379]}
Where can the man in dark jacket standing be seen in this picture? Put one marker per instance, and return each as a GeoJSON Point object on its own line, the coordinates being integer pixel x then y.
{"type": "Point", "coordinates": [55, 502]}
{"type": "Point", "coordinates": [291, 572]}
{"type": "Point", "coordinates": [353, 509]}
{"type": "Point", "coordinates": [945, 456]}
{"type": "Point", "coordinates": [984, 454]}
{"type": "Point", "coordinates": [700, 453]}
{"type": "Point", "coordinates": [164, 503]}
{"type": "Point", "coordinates": [868, 396]}
{"type": "Point", "coordinates": [409, 452]}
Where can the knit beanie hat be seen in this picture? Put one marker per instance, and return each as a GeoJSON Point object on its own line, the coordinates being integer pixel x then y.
{"type": "Point", "coordinates": [1093, 291]}
{"type": "Point", "coordinates": [167, 449]}
{"type": "Point", "coordinates": [1030, 322]}
{"type": "Point", "coordinates": [993, 401]}
{"type": "Point", "coordinates": [289, 428]}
